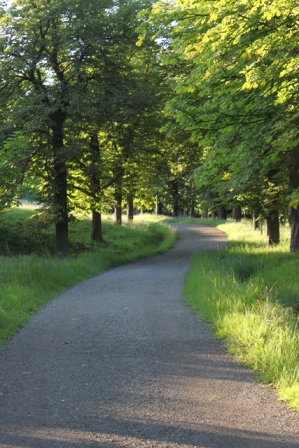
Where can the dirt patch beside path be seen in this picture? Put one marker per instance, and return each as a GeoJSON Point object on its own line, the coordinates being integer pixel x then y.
{"type": "Point", "coordinates": [121, 361]}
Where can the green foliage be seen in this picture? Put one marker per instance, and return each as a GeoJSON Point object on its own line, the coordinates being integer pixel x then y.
{"type": "Point", "coordinates": [177, 102]}
{"type": "Point", "coordinates": [13, 162]}
{"type": "Point", "coordinates": [82, 95]}
{"type": "Point", "coordinates": [237, 96]}
{"type": "Point", "coordinates": [250, 295]}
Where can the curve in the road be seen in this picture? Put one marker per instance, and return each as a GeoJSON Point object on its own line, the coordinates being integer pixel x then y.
{"type": "Point", "coordinates": [121, 361]}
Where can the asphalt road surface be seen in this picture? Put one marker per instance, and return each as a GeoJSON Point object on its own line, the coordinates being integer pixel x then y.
{"type": "Point", "coordinates": [121, 361]}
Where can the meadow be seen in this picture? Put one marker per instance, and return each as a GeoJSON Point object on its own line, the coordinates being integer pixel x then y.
{"type": "Point", "coordinates": [249, 292]}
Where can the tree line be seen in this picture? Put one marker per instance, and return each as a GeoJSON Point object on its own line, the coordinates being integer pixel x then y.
{"type": "Point", "coordinates": [78, 103]}
{"type": "Point", "coordinates": [236, 95]}
{"type": "Point", "coordinates": [183, 106]}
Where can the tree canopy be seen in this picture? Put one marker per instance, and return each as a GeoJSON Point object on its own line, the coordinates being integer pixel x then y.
{"type": "Point", "coordinates": [238, 98]}
{"type": "Point", "coordinates": [70, 71]}
{"type": "Point", "coordinates": [190, 105]}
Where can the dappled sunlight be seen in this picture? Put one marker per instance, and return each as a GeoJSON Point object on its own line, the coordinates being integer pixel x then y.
{"type": "Point", "coordinates": [242, 232]}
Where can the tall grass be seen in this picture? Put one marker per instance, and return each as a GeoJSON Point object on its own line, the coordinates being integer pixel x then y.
{"type": "Point", "coordinates": [250, 294]}
{"type": "Point", "coordinates": [32, 278]}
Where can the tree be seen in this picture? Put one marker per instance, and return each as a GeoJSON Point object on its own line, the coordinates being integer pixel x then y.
{"type": "Point", "coordinates": [44, 52]}
{"type": "Point", "coordinates": [53, 55]}
{"type": "Point", "coordinates": [239, 98]}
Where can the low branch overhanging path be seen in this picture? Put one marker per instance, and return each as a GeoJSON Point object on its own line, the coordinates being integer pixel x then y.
{"type": "Point", "coordinates": [120, 361]}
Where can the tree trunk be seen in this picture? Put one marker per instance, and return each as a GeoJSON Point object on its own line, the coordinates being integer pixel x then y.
{"type": "Point", "coordinates": [118, 205]}
{"type": "Point", "coordinates": [192, 209]}
{"type": "Point", "coordinates": [60, 184]}
{"type": "Point", "coordinates": [255, 222]}
{"type": "Point", "coordinates": [294, 212]}
{"type": "Point", "coordinates": [96, 227]}
{"type": "Point", "coordinates": [222, 213]}
{"type": "Point", "coordinates": [175, 198]}
{"type": "Point", "coordinates": [273, 229]}
{"type": "Point", "coordinates": [175, 210]}
{"type": "Point", "coordinates": [159, 207]}
{"type": "Point", "coordinates": [130, 207]}
{"type": "Point", "coordinates": [61, 211]}
{"type": "Point", "coordinates": [294, 223]}
{"type": "Point", "coordinates": [62, 239]}
{"type": "Point", "coordinates": [237, 213]}
{"type": "Point", "coordinates": [95, 187]}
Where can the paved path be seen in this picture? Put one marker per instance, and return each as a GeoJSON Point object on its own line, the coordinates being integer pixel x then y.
{"type": "Point", "coordinates": [120, 361]}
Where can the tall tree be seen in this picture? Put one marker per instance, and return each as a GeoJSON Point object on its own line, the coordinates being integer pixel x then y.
{"type": "Point", "coordinates": [45, 50]}
{"type": "Point", "coordinates": [239, 97]}
{"type": "Point", "coordinates": [53, 55]}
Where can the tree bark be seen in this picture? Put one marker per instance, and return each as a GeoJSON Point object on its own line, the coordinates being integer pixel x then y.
{"type": "Point", "coordinates": [222, 213]}
{"type": "Point", "coordinates": [237, 213]}
{"type": "Point", "coordinates": [95, 188]}
{"type": "Point", "coordinates": [294, 212]}
{"type": "Point", "coordinates": [255, 222]}
{"type": "Point", "coordinates": [175, 198]}
{"type": "Point", "coordinates": [273, 233]}
{"type": "Point", "coordinates": [159, 207]}
{"type": "Point", "coordinates": [192, 209]}
{"type": "Point", "coordinates": [96, 227]}
{"type": "Point", "coordinates": [130, 207]}
{"type": "Point", "coordinates": [294, 223]}
{"type": "Point", "coordinates": [118, 205]}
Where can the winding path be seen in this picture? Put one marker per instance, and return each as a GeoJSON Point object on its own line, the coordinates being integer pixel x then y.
{"type": "Point", "coordinates": [121, 361]}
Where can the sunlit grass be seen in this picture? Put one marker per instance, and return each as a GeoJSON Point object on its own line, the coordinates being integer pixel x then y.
{"type": "Point", "coordinates": [250, 294]}
{"type": "Point", "coordinates": [29, 280]}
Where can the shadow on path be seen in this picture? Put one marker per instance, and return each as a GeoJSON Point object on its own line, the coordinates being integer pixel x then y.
{"type": "Point", "coordinates": [121, 361]}
{"type": "Point", "coordinates": [126, 433]}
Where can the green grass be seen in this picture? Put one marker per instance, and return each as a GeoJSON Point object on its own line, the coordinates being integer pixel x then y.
{"type": "Point", "coordinates": [250, 294]}
{"type": "Point", "coordinates": [30, 276]}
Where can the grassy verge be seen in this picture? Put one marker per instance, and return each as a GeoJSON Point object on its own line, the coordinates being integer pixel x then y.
{"type": "Point", "coordinates": [250, 294]}
{"type": "Point", "coordinates": [30, 276]}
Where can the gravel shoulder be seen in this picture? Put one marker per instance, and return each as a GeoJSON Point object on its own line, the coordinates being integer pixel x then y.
{"type": "Point", "coordinates": [120, 361]}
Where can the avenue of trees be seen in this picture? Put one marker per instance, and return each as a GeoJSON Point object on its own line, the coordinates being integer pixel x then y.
{"type": "Point", "coordinates": [183, 106]}
{"type": "Point", "coordinates": [236, 94]}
